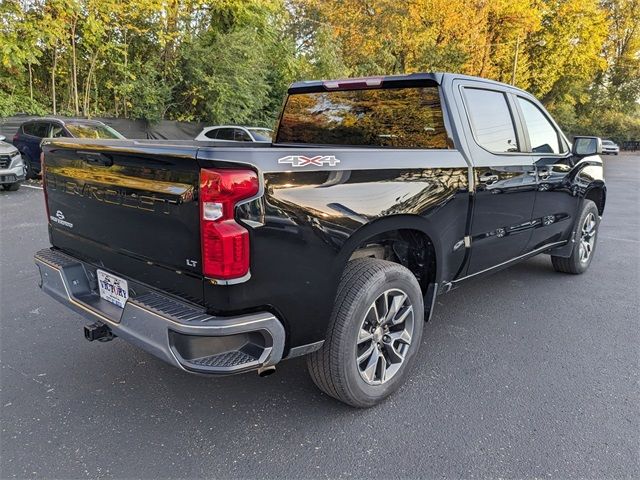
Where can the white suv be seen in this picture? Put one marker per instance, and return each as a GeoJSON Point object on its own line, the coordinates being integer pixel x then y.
{"type": "Point", "coordinates": [610, 148]}
{"type": "Point", "coordinates": [232, 133]}
{"type": "Point", "coordinates": [12, 168]}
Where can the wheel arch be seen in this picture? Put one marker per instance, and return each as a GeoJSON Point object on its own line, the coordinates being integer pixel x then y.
{"type": "Point", "coordinates": [597, 193]}
{"type": "Point", "coordinates": [414, 230]}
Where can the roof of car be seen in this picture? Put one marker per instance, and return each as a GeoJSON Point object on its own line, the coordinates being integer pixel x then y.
{"type": "Point", "coordinates": [236, 126]}
{"type": "Point", "coordinates": [64, 121]}
{"type": "Point", "coordinates": [411, 79]}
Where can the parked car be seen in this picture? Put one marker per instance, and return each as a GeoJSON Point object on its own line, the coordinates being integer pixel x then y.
{"type": "Point", "coordinates": [11, 166]}
{"type": "Point", "coordinates": [231, 133]}
{"type": "Point", "coordinates": [610, 148]}
{"type": "Point", "coordinates": [30, 135]}
{"type": "Point", "coordinates": [332, 242]}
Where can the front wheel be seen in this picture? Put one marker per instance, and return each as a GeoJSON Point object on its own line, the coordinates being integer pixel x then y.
{"type": "Point", "coordinates": [28, 169]}
{"type": "Point", "coordinates": [584, 242]}
{"type": "Point", "coordinates": [373, 336]}
{"type": "Point", "coordinates": [12, 187]}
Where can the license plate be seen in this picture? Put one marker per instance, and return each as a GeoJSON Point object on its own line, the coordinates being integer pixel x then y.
{"type": "Point", "coordinates": [113, 289]}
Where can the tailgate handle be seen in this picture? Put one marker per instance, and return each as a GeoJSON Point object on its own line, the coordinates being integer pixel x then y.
{"type": "Point", "coordinates": [96, 158]}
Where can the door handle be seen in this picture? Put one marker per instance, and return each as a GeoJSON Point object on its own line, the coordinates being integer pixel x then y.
{"type": "Point", "coordinates": [96, 158]}
{"type": "Point", "coordinates": [488, 178]}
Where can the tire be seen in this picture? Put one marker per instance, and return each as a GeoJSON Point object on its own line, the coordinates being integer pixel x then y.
{"type": "Point", "coordinates": [367, 287]}
{"type": "Point", "coordinates": [12, 187]}
{"type": "Point", "coordinates": [28, 170]}
{"type": "Point", "coordinates": [584, 242]}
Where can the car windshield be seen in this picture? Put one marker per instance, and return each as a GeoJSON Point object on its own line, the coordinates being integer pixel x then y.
{"type": "Point", "coordinates": [607, 142]}
{"type": "Point", "coordinates": [92, 130]}
{"type": "Point", "coordinates": [261, 134]}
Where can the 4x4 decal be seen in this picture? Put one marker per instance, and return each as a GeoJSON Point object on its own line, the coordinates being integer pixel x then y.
{"type": "Point", "coordinates": [302, 161]}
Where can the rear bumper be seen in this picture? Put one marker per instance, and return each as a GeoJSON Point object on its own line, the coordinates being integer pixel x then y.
{"type": "Point", "coordinates": [177, 332]}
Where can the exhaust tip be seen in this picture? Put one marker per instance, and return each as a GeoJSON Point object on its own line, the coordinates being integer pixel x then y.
{"type": "Point", "coordinates": [266, 371]}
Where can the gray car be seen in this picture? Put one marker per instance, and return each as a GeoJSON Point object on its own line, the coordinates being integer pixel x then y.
{"type": "Point", "coordinates": [11, 166]}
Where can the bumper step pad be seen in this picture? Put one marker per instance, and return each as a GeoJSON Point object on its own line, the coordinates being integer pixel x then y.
{"type": "Point", "coordinates": [224, 360]}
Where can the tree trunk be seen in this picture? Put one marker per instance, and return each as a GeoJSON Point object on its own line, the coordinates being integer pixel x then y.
{"type": "Point", "coordinates": [96, 97]}
{"type": "Point", "coordinates": [30, 82]}
{"type": "Point", "coordinates": [126, 74]}
{"type": "Point", "coordinates": [87, 85]}
{"type": "Point", "coordinates": [74, 69]}
{"type": "Point", "coordinates": [173, 8]}
{"type": "Point", "coordinates": [53, 79]}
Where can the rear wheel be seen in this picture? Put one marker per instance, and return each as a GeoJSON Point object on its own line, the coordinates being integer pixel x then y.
{"type": "Point", "coordinates": [374, 333]}
{"type": "Point", "coordinates": [584, 242]}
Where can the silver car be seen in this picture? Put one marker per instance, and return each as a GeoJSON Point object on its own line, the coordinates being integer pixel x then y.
{"type": "Point", "coordinates": [11, 166]}
{"type": "Point", "coordinates": [610, 148]}
{"type": "Point", "coordinates": [235, 133]}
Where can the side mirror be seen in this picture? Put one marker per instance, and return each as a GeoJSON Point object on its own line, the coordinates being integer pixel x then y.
{"type": "Point", "coordinates": [585, 146]}
{"type": "Point", "coordinates": [2, 138]}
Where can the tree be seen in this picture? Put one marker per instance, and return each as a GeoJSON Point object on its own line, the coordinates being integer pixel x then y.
{"type": "Point", "coordinates": [223, 61]}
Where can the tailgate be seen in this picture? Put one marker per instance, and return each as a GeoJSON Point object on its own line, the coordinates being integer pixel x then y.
{"type": "Point", "coordinates": [130, 207]}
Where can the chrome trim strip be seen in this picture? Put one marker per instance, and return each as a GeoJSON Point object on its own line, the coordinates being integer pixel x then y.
{"type": "Point", "coordinates": [529, 254]}
{"type": "Point", "coordinates": [231, 281]}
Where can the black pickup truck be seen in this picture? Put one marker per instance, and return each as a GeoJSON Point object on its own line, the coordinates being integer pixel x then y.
{"type": "Point", "coordinates": [377, 195]}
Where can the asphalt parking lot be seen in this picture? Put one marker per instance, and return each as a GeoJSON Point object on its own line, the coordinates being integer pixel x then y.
{"type": "Point", "coordinates": [528, 373]}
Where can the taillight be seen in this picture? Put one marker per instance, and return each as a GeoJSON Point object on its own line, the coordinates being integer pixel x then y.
{"type": "Point", "coordinates": [225, 243]}
{"type": "Point", "coordinates": [353, 83]}
{"type": "Point", "coordinates": [15, 138]}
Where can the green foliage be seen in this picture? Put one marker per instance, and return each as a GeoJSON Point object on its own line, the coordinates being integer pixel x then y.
{"type": "Point", "coordinates": [230, 61]}
{"type": "Point", "coordinates": [20, 103]}
{"type": "Point", "coordinates": [612, 124]}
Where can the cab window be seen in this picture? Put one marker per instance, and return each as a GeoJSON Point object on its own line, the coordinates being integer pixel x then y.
{"type": "Point", "coordinates": [543, 136]}
{"type": "Point", "coordinates": [241, 136]}
{"type": "Point", "coordinates": [491, 120]}
{"type": "Point", "coordinates": [225, 134]}
{"type": "Point", "coordinates": [57, 131]}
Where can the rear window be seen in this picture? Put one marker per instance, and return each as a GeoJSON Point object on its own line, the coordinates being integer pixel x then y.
{"type": "Point", "coordinates": [37, 129]}
{"type": "Point", "coordinates": [211, 133]}
{"type": "Point", "coordinates": [91, 130]}
{"type": "Point", "coordinates": [389, 117]}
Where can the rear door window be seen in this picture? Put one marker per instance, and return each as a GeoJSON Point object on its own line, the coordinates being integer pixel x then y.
{"type": "Point", "coordinates": [212, 133]}
{"type": "Point", "coordinates": [491, 120]}
{"type": "Point", "coordinates": [241, 136]}
{"type": "Point", "coordinates": [29, 129]}
{"type": "Point", "coordinates": [225, 134]}
{"type": "Point", "coordinates": [543, 136]}
{"type": "Point", "coordinates": [41, 129]}
{"type": "Point", "coordinates": [409, 117]}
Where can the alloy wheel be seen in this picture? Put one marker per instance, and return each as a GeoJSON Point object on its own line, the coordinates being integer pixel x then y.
{"type": "Point", "coordinates": [587, 237]}
{"type": "Point", "coordinates": [384, 337]}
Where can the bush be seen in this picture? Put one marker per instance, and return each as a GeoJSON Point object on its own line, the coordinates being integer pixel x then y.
{"type": "Point", "coordinates": [12, 104]}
